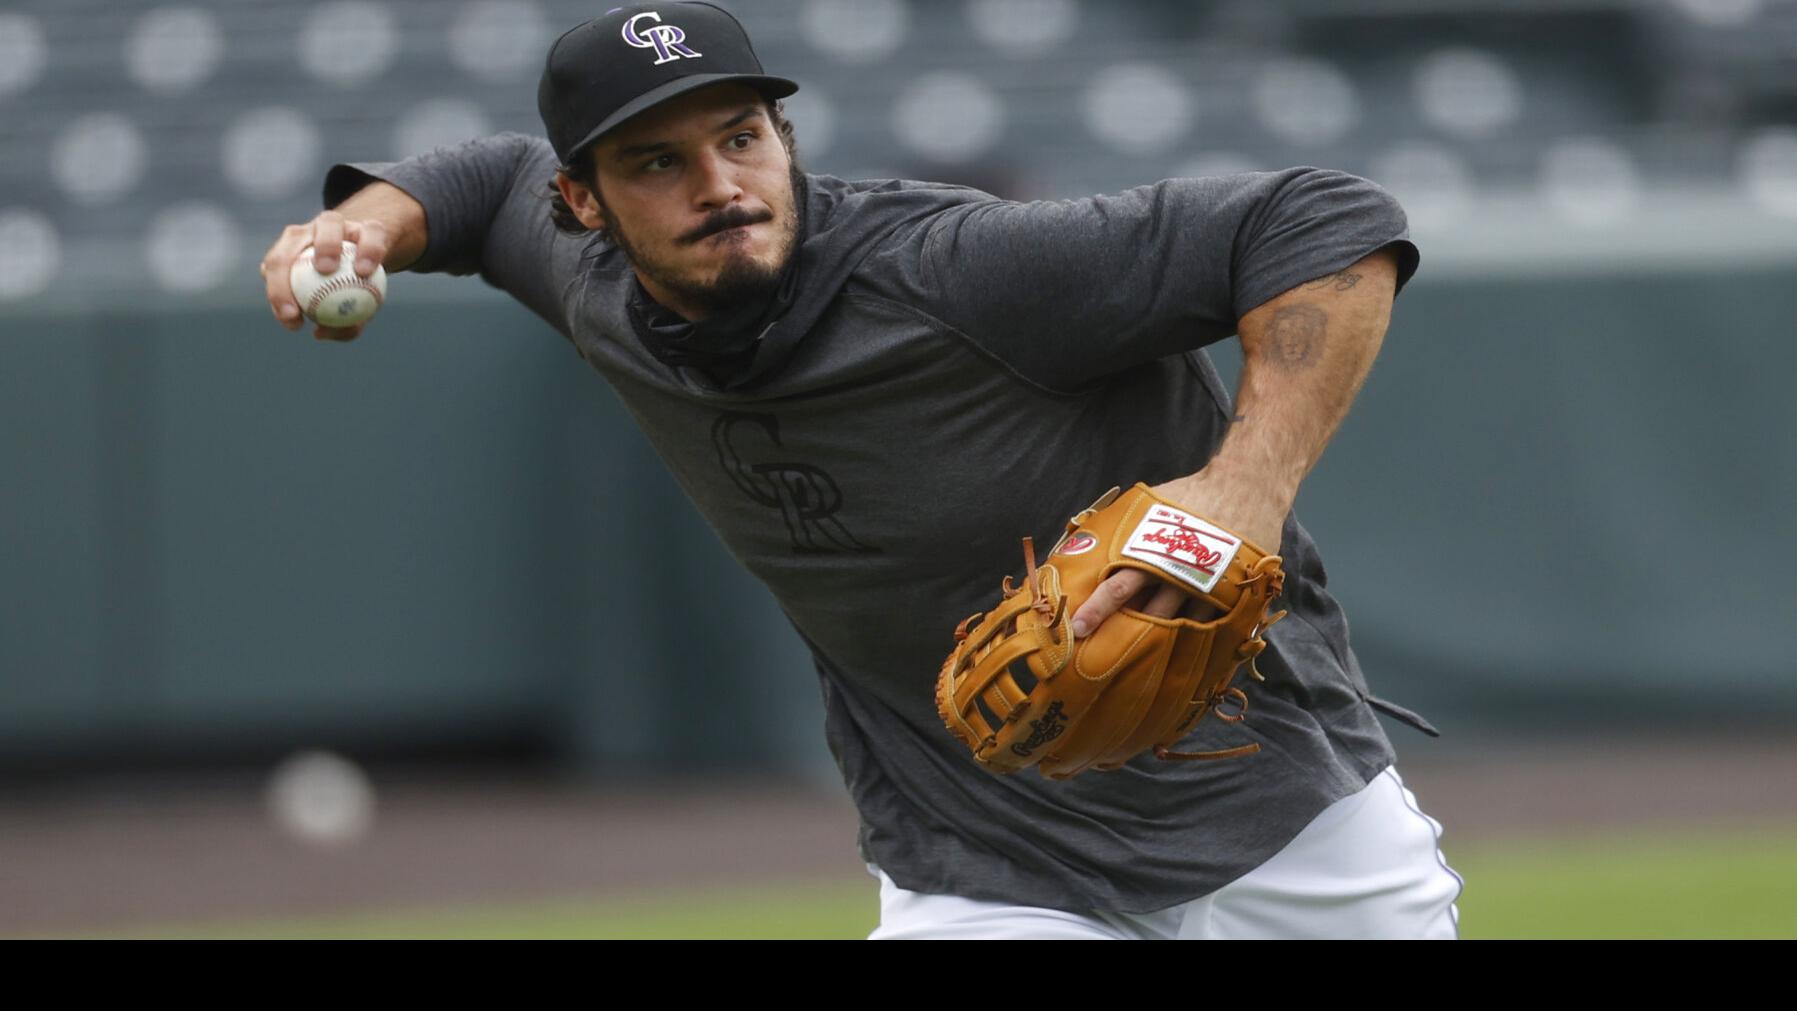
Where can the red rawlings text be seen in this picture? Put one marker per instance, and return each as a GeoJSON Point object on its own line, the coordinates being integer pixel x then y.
{"type": "Point", "coordinates": [1185, 542]}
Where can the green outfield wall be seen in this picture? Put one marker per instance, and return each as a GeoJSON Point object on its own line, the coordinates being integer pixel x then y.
{"type": "Point", "coordinates": [1558, 500]}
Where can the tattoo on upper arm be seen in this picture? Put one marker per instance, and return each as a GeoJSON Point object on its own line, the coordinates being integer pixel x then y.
{"type": "Point", "coordinates": [1339, 281]}
{"type": "Point", "coordinates": [1295, 337]}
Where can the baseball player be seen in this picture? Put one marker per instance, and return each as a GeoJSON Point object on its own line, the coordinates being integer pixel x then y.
{"type": "Point", "coordinates": [871, 389]}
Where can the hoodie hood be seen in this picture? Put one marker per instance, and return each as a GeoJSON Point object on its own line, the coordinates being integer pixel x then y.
{"type": "Point", "coordinates": [840, 223]}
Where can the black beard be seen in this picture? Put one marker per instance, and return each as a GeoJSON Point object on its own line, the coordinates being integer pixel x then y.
{"type": "Point", "coordinates": [742, 281]}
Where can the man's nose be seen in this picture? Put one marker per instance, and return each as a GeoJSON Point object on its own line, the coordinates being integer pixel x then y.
{"type": "Point", "coordinates": [714, 180]}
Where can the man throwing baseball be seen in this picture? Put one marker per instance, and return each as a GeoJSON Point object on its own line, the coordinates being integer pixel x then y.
{"type": "Point", "coordinates": [872, 389]}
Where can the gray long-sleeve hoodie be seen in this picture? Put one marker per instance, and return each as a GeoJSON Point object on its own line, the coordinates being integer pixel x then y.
{"type": "Point", "coordinates": [955, 371]}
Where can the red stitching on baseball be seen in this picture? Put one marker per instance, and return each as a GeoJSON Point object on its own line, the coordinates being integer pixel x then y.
{"type": "Point", "coordinates": [336, 284]}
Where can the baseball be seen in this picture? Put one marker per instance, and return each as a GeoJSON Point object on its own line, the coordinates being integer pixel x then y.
{"type": "Point", "coordinates": [342, 298]}
{"type": "Point", "coordinates": [321, 798]}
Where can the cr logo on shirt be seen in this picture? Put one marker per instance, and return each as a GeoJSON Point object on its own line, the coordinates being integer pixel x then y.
{"type": "Point", "coordinates": [807, 497]}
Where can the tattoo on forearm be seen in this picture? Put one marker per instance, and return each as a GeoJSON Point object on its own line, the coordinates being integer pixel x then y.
{"type": "Point", "coordinates": [1340, 281]}
{"type": "Point", "coordinates": [1295, 338]}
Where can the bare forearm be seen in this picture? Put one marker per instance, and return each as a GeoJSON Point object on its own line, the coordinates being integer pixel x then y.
{"type": "Point", "coordinates": [401, 217]}
{"type": "Point", "coordinates": [1305, 355]}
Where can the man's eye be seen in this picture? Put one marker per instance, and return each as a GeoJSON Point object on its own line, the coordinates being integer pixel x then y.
{"type": "Point", "coordinates": [662, 162]}
{"type": "Point", "coordinates": [742, 140]}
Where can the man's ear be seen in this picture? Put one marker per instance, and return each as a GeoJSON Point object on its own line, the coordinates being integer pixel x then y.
{"type": "Point", "coordinates": [581, 200]}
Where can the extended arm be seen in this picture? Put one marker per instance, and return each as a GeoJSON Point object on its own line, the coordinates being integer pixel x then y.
{"type": "Point", "coordinates": [473, 208]}
{"type": "Point", "coordinates": [1305, 355]}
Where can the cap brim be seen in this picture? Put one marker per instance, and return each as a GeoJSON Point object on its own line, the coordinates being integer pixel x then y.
{"type": "Point", "coordinates": [772, 87]}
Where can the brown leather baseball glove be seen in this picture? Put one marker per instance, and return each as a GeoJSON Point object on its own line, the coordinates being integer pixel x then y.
{"type": "Point", "coordinates": [1020, 691]}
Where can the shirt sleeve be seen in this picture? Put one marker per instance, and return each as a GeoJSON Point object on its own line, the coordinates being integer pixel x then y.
{"type": "Point", "coordinates": [1065, 290]}
{"type": "Point", "coordinates": [486, 209]}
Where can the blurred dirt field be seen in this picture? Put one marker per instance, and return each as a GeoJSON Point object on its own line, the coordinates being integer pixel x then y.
{"type": "Point", "coordinates": [126, 854]}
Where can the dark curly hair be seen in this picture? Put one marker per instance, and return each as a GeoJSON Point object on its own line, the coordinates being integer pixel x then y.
{"type": "Point", "coordinates": [582, 169]}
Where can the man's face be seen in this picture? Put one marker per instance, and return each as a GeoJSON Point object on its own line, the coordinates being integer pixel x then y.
{"type": "Point", "coordinates": [698, 193]}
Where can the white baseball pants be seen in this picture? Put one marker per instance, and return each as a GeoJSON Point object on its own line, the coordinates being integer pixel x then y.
{"type": "Point", "coordinates": [1369, 866]}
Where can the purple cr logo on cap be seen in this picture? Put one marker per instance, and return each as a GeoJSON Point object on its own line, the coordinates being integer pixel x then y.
{"type": "Point", "coordinates": [668, 41]}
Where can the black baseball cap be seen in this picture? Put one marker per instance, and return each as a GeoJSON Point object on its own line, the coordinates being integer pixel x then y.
{"type": "Point", "coordinates": [632, 58]}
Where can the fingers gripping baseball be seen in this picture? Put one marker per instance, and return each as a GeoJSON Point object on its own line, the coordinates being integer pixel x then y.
{"type": "Point", "coordinates": [326, 233]}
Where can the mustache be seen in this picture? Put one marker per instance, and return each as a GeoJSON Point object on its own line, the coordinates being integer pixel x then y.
{"type": "Point", "coordinates": [724, 220]}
